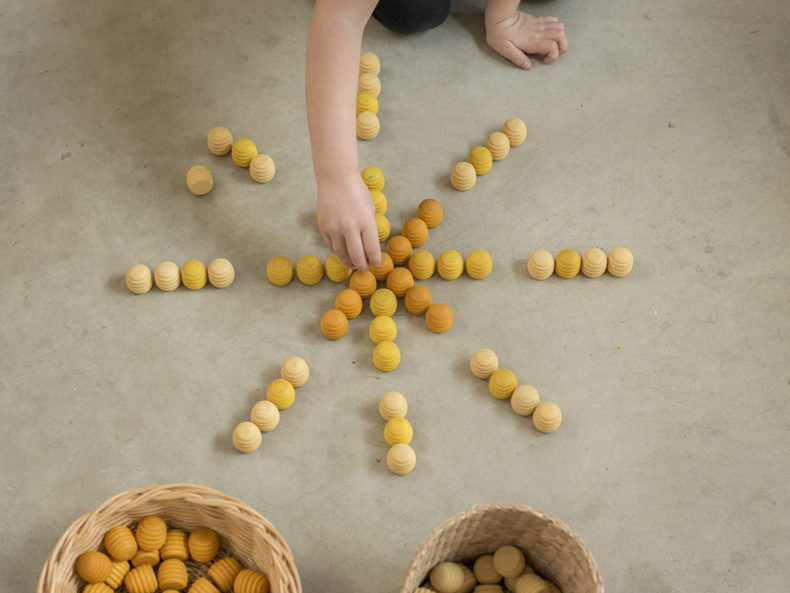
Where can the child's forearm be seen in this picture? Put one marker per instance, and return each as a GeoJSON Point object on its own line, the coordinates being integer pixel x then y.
{"type": "Point", "coordinates": [500, 10]}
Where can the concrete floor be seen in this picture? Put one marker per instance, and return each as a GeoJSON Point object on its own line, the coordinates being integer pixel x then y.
{"type": "Point", "coordinates": [665, 128]}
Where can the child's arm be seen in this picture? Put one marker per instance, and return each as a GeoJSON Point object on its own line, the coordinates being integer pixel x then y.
{"type": "Point", "coordinates": [515, 34]}
{"type": "Point", "coordinates": [345, 207]}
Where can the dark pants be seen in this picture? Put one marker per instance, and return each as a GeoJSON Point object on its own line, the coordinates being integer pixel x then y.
{"type": "Point", "coordinates": [410, 16]}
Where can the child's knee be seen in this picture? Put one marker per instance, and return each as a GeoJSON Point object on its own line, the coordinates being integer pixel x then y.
{"type": "Point", "coordinates": [411, 16]}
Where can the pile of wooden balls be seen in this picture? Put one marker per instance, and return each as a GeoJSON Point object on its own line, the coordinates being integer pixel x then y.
{"type": "Point", "coordinates": [168, 277]}
{"type": "Point", "coordinates": [369, 88]}
{"type": "Point", "coordinates": [489, 572]}
{"type": "Point", "coordinates": [265, 414]}
{"type": "Point", "coordinates": [497, 146]}
{"type": "Point", "coordinates": [398, 433]}
{"type": "Point", "coordinates": [568, 263]}
{"type": "Point", "coordinates": [153, 544]}
{"type": "Point", "coordinates": [524, 399]}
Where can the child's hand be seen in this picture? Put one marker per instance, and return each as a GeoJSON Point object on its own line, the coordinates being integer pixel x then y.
{"type": "Point", "coordinates": [346, 221]}
{"type": "Point", "coordinates": [523, 34]}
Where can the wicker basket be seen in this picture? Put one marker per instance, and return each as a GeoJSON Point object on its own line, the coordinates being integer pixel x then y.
{"type": "Point", "coordinates": [550, 546]}
{"type": "Point", "coordinates": [243, 532]}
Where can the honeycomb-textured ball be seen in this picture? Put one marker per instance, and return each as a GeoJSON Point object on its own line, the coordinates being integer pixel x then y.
{"type": "Point", "coordinates": [223, 572]}
{"type": "Point", "coordinates": [416, 231]}
{"type": "Point", "coordinates": [265, 415]}
{"type": "Point", "coordinates": [383, 329]}
{"type": "Point", "coordinates": [120, 543]}
{"type": "Point", "coordinates": [447, 577]}
{"type": "Point", "coordinates": [450, 264]}
{"type": "Point", "coordinates": [373, 178]}
{"type": "Point", "coordinates": [480, 158]}
{"type": "Point", "coordinates": [431, 212]}
{"type": "Point", "coordinates": [463, 176]}
{"type": "Point", "coordinates": [204, 542]}
{"type": "Point", "coordinates": [151, 533]}
{"type": "Point", "coordinates": [516, 131]}
{"type": "Point", "coordinates": [383, 227]}
{"type": "Point", "coordinates": [139, 279]}
{"type": "Point", "coordinates": [386, 356]}
{"type": "Point", "coordinates": [199, 180]}
{"type": "Point", "coordinates": [531, 583]}
{"type": "Point", "coordinates": [509, 561]}
{"type": "Point", "coordinates": [367, 102]}
{"type": "Point", "coordinates": [567, 263]}
{"type": "Point", "coordinates": [262, 168]}
{"type": "Point", "coordinates": [369, 82]}
{"type": "Point", "coordinates": [393, 405]}
{"type": "Point", "coordinates": [334, 324]}
{"type": "Point", "coordinates": [417, 299]}
{"type": "Point", "coordinates": [502, 383]}
{"type": "Point", "coordinates": [295, 371]}
{"type": "Point", "coordinates": [309, 270]}
{"type": "Point", "coordinates": [194, 275]}
{"type": "Point", "coordinates": [336, 270]}
{"type": "Point", "coordinates": [620, 262]}
{"type": "Point", "coordinates": [593, 262]}
{"type": "Point", "coordinates": [399, 249]}
{"type": "Point", "coordinates": [398, 430]}
{"type": "Point", "coordinates": [172, 574]}
{"type": "Point", "coordinates": [175, 545]}
{"type": "Point", "coordinates": [422, 264]}
{"type": "Point", "coordinates": [146, 557]}
{"type": "Point", "coordinates": [281, 393]}
{"type": "Point", "coordinates": [279, 270]}
{"type": "Point", "coordinates": [484, 570]}
{"type": "Point", "coordinates": [368, 124]}
{"type": "Point", "coordinates": [119, 570]}
{"type": "Point", "coordinates": [246, 438]}
{"type": "Point", "coordinates": [478, 264]}
{"type": "Point", "coordinates": [250, 581]}
{"type": "Point", "coordinates": [349, 303]}
{"type": "Point", "coordinates": [363, 282]}
{"type": "Point", "coordinates": [167, 276]}
{"type": "Point", "coordinates": [379, 201]}
{"type": "Point", "coordinates": [243, 151]}
{"type": "Point", "coordinates": [401, 459]}
{"type": "Point", "coordinates": [383, 302]}
{"type": "Point", "coordinates": [221, 273]}
{"type": "Point", "coordinates": [399, 280]}
{"type": "Point", "coordinates": [483, 363]}
{"type": "Point", "coordinates": [141, 580]}
{"type": "Point", "coordinates": [203, 585]}
{"type": "Point", "coordinates": [439, 318]}
{"type": "Point", "coordinates": [547, 417]}
{"type": "Point", "coordinates": [540, 264]}
{"type": "Point", "coordinates": [524, 400]}
{"type": "Point", "coordinates": [498, 144]}
{"type": "Point", "coordinates": [369, 63]}
{"type": "Point", "coordinates": [93, 567]}
{"type": "Point", "coordinates": [220, 141]}
{"type": "Point", "coordinates": [381, 271]}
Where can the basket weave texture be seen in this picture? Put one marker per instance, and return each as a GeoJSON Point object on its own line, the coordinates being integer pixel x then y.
{"type": "Point", "coordinates": [244, 534]}
{"type": "Point", "coordinates": [550, 546]}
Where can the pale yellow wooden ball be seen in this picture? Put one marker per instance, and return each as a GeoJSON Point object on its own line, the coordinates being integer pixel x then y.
{"type": "Point", "coordinates": [199, 180]}
{"type": "Point", "coordinates": [246, 437]}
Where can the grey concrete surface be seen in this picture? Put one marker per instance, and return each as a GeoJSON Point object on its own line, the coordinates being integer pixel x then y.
{"type": "Point", "coordinates": [665, 128]}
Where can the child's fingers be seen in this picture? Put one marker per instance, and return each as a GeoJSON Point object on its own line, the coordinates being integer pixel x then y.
{"type": "Point", "coordinates": [370, 239]}
{"type": "Point", "coordinates": [356, 253]}
{"type": "Point", "coordinates": [548, 19]}
{"type": "Point", "coordinates": [515, 55]}
{"type": "Point", "coordinates": [548, 47]}
{"type": "Point", "coordinates": [339, 247]}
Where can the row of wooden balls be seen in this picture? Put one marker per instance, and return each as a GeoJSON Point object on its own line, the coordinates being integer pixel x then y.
{"type": "Point", "coordinates": [398, 433]}
{"type": "Point", "coordinates": [153, 544]}
{"type": "Point", "coordinates": [567, 264]}
{"type": "Point", "coordinates": [478, 162]}
{"type": "Point", "coordinates": [368, 90]}
{"type": "Point", "coordinates": [168, 277]}
{"type": "Point", "coordinates": [243, 152]}
{"type": "Point", "coordinates": [524, 399]}
{"type": "Point", "coordinates": [265, 414]}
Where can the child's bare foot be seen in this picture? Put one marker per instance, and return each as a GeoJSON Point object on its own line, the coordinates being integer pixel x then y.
{"type": "Point", "coordinates": [522, 34]}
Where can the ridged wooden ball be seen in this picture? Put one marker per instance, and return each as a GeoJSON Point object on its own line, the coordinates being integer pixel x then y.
{"type": "Point", "coordinates": [383, 227]}
{"type": "Point", "coordinates": [593, 262]}
{"type": "Point", "coordinates": [401, 459]}
{"type": "Point", "coordinates": [379, 201]}
{"type": "Point", "coordinates": [483, 363]}
{"type": "Point", "coordinates": [151, 533]}
{"type": "Point", "coordinates": [383, 329]}
{"type": "Point", "coordinates": [447, 577]}
{"type": "Point", "coordinates": [146, 557]}
{"type": "Point", "coordinates": [398, 430]}
{"type": "Point", "coordinates": [373, 178]}
{"type": "Point", "coordinates": [516, 131]}
{"type": "Point", "coordinates": [484, 570]}
{"type": "Point", "coordinates": [141, 580]}
{"type": "Point", "coordinates": [93, 567]}
{"type": "Point", "coordinates": [120, 543]}
{"type": "Point", "coordinates": [498, 145]}
{"type": "Point", "coordinates": [450, 264]}
{"type": "Point", "coordinates": [194, 275]}
{"type": "Point", "coordinates": [399, 280]}
{"type": "Point", "coordinates": [439, 318]}
{"type": "Point", "coordinates": [97, 588]}
{"type": "Point", "coordinates": [431, 212]}
{"type": "Point", "coordinates": [416, 231]}
{"type": "Point", "coordinates": [167, 276]}
{"type": "Point", "coordinates": [370, 83]}
{"type": "Point", "coordinates": [531, 583]}
{"type": "Point", "coordinates": [262, 168]}
{"type": "Point", "coordinates": [540, 264]}
{"type": "Point", "coordinates": [510, 582]}
{"type": "Point", "coordinates": [383, 302]}
{"type": "Point", "coordinates": [204, 543]}
{"type": "Point", "coordinates": [489, 588]}
{"type": "Point", "coordinates": [480, 158]}
{"type": "Point", "coordinates": [349, 303]}
{"type": "Point", "coordinates": [172, 574]}
{"type": "Point", "coordinates": [502, 383]}
{"type": "Point", "coordinates": [547, 417]}
{"type": "Point", "coordinates": [399, 248]}
{"type": "Point", "coordinates": [199, 180]}
{"type": "Point", "coordinates": [469, 580]}
{"type": "Point", "coordinates": [509, 561]}
{"type": "Point", "coordinates": [221, 273]}
{"type": "Point", "coordinates": [175, 545]}
{"type": "Point", "coordinates": [246, 438]}
{"type": "Point", "coordinates": [295, 371]}
{"type": "Point", "coordinates": [203, 585]}
{"type": "Point", "coordinates": [524, 400]}
{"type": "Point", "coordinates": [369, 63]}
{"type": "Point", "coordinates": [393, 405]}
{"type": "Point", "coordinates": [367, 102]}
{"type": "Point", "coordinates": [117, 573]}
{"type": "Point", "coordinates": [220, 141]}
{"type": "Point", "coordinates": [243, 151]}
{"type": "Point", "coordinates": [478, 264]}
{"type": "Point", "coordinates": [281, 393]}
{"type": "Point", "coordinates": [139, 279]}
{"type": "Point", "coordinates": [334, 324]}
{"type": "Point", "coordinates": [223, 572]}
{"type": "Point", "coordinates": [381, 271]}
{"type": "Point", "coordinates": [309, 270]}
{"type": "Point", "coordinates": [417, 299]}
{"type": "Point", "coordinates": [386, 356]}
{"type": "Point", "coordinates": [567, 263]}
{"type": "Point", "coordinates": [336, 270]}
{"type": "Point", "coordinates": [363, 282]}
{"type": "Point", "coordinates": [368, 124]}
{"type": "Point", "coordinates": [422, 264]}
{"type": "Point", "coordinates": [463, 176]}
{"type": "Point", "coordinates": [620, 262]}
{"type": "Point", "coordinates": [250, 581]}
{"type": "Point", "coordinates": [265, 415]}
{"type": "Point", "coordinates": [279, 270]}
